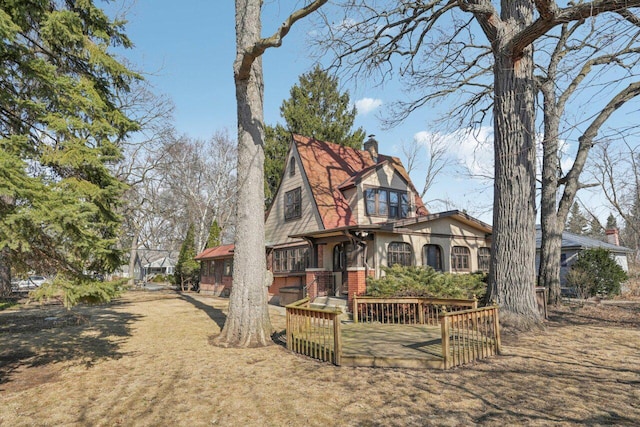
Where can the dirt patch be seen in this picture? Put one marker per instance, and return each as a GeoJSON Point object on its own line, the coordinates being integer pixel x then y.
{"type": "Point", "coordinates": [146, 360]}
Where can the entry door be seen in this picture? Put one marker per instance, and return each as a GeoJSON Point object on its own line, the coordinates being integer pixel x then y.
{"type": "Point", "coordinates": [340, 267]}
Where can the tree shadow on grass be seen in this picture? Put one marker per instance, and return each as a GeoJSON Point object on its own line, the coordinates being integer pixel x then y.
{"type": "Point", "coordinates": [214, 314]}
{"type": "Point", "coordinates": [46, 335]}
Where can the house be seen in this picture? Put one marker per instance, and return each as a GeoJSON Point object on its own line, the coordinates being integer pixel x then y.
{"type": "Point", "coordinates": [215, 270]}
{"type": "Point", "coordinates": [150, 262]}
{"type": "Point", "coordinates": [340, 214]}
{"type": "Point", "coordinates": [573, 244]}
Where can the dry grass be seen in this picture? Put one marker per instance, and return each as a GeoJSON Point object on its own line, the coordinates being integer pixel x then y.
{"type": "Point", "coordinates": [146, 360]}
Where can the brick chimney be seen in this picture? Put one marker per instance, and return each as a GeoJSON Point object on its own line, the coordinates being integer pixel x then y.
{"type": "Point", "coordinates": [612, 236]}
{"type": "Point", "coordinates": [371, 145]}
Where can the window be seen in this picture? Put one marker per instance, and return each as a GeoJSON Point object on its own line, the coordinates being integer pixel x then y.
{"type": "Point", "coordinates": [292, 166]}
{"type": "Point", "coordinates": [291, 259]}
{"type": "Point", "coordinates": [293, 204]}
{"type": "Point", "coordinates": [212, 268]}
{"type": "Point", "coordinates": [388, 203]}
{"type": "Point", "coordinates": [484, 259]}
{"type": "Point", "coordinates": [339, 258]}
{"type": "Point", "coordinates": [399, 253]}
{"type": "Point", "coordinates": [228, 267]}
{"type": "Point", "coordinates": [432, 256]}
{"type": "Point", "coordinates": [563, 260]}
{"type": "Point", "coordinates": [460, 257]}
{"type": "Point", "coordinates": [207, 268]}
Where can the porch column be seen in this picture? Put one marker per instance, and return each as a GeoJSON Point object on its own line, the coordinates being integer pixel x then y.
{"type": "Point", "coordinates": [356, 283]}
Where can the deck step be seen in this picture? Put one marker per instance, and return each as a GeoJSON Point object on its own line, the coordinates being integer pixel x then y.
{"type": "Point", "coordinates": [332, 303]}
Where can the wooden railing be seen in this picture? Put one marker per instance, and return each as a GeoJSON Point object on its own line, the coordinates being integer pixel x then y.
{"type": "Point", "coordinates": [314, 332]}
{"type": "Point", "coordinates": [469, 335]}
{"type": "Point", "coordinates": [406, 310]}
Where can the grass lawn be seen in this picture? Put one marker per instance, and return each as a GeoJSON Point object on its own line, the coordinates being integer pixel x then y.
{"type": "Point", "coordinates": [146, 359]}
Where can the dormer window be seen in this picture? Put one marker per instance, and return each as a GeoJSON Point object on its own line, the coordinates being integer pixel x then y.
{"type": "Point", "coordinates": [292, 166]}
{"type": "Point", "coordinates": [387, 203]}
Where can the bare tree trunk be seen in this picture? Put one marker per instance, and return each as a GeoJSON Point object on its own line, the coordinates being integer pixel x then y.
{"type": "Point", "coordinates": [133, 252]}
{"type": "Point", "coordinates": [550, 252]}
{"type": "Point", "coordinates": [248, 323]}
{"type": "Point", "coordinates": [5, 272]}
{"type": "Point", "coordinates": [550, 225]}
{"type": "Point", "coordinates": [512, 273]}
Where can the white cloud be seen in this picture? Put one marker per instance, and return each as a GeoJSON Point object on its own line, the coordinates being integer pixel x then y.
{"type": "Point", "coordinates": [345, 25]}
{"type": "Point", "coordinates": [472, 148]}
{"type": "Point", "coordinates": [424, 137]}
{"type": "Point", "coordinates": [367, 105]}
{"type": "Point", "coordinates": [476, 150]}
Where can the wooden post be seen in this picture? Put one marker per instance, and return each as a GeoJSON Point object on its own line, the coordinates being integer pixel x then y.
{"type": "Point", "coordinates": [444, 326]}
{"type": "Point", "coordinates": [289, 331]}
{"type": "Point", "coordinates": [496, 324]}
{"type": "Point", "coordinates": [355, 308]}
{"type": "Point", "coordinates": [421, 311]}
{"type": "Point", "coordinates": [337, 339]}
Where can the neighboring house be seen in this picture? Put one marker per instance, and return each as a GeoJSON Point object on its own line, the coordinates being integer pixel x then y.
{"type": "Point", "coordinates": [215, 270]}
{"type": "Point", "coordinates": [573, 244]}
{"type": "Point", "coordinates": [149, 263]}
{"type": "Point", "coordinates": [164, 265]}
{"type": "Point", "coordinates": [340, 214]}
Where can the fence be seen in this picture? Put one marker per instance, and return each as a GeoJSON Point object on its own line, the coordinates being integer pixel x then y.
{"type": "Point", "coordinates": [406, 310]}
{"type": "Point", "coordinates": [314, 332]}
{"type": "Point", "coordinates": [469, 335]}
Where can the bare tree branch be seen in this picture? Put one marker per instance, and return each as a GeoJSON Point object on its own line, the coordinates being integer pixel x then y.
{"type": "Point", "coordinates": [275, 40]}
{"type": "Point", "coordinates": [552, 16]}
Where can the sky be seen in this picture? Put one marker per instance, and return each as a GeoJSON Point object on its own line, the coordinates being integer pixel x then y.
{"type": "Point", "coordinates": [186, 50]}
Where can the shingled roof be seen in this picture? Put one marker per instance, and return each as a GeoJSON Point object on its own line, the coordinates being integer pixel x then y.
{"type": "Point", "coordinates": [331, 168]}
{"type": "Point", "coordinates": [223, 251]}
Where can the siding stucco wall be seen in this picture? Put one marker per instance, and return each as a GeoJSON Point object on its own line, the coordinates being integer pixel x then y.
{"type": "Point", "coordinates": [444, 232]}
{"type": "Point", "coordinates": [277, 230]}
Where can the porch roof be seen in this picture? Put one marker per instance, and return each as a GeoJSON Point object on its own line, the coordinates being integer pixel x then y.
{"type": "Point", "coordinates": [340, 231]}
{"type": "Point", "coordinates": [458, 215]}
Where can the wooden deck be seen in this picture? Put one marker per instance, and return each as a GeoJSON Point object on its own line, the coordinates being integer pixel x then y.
{"type": "Point", "coordinates": [391, 346]}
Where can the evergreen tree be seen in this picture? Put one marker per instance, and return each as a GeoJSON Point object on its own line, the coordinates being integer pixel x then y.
{"type": "Point", "coordinates": [316, 108]}
{"type": "Point", "coordinates": [611, 222]}
{"type": "Point", "coordinates": [60, 126]}
{"type": "Point", "coordinates": [577, 223]}
{"type": "Point", "coordinates": [595, 229]}
{"type": "Point", "coordinates": [596, 272]}
{"type": "Point", "coordinates": [214, 235]}
{"type": "Point", "coordinates": [187, 272]}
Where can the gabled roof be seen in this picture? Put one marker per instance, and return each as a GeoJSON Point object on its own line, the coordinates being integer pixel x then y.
{"type": "Point", "coordinates": [331, 168]}
{"type": "Point", "coordinates": [147, 257]}
{"type": "Point", "coordinates": [224, 251]}
{"type": "Point", "coordinates": [161, 262]}
{"type": "Point", "coordinates": [576, 241]}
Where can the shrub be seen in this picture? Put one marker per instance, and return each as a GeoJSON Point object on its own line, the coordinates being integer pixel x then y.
{"type": "Point", "coordinates": [596, 272]}
{"type": "Point", "coordinates": [75, 290]}
{"type": "Point", "coordinates": [426, 282]}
